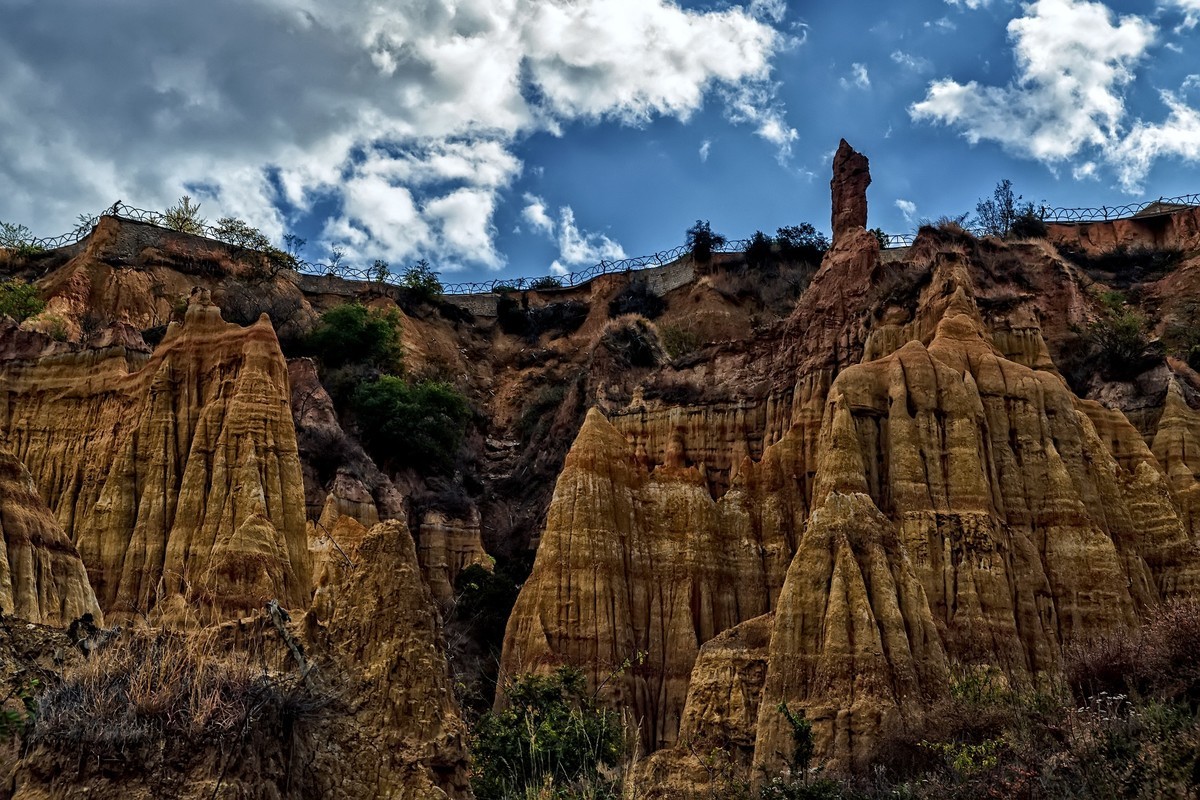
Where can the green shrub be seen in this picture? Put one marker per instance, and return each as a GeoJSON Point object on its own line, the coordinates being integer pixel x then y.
{"type": "Point", "coordinates": [678, 341]}
{"type": "Point", "coordinates": [56, 327]}
{"type": "Point", "coordinates": [422, 281]}
{"type": "Point", "coordinates": [19, 300]}
{"type": "Point", "coordinates": [185, 217]}
{"type": "Point", "coordinates": [551, 735]}
{"type": "Point", "coordinates": [355, 334]}
{"type": "Point", "coordinates": [419, 426]}
{"type": "Point", "coordinates": [1120, 337]}
{"type": "Point", "coordinates": [548, 282]}
{"type": "Point", "coordinates": [702, 241]}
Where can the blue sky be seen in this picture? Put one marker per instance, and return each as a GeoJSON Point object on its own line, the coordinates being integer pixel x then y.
{"type": "Point", "coordinates": [519, 137]}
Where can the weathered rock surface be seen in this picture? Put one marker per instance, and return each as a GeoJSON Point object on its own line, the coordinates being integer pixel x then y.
{"type": "Point", "coordinates": [42, 578]}
{"type": "Point", "coordinates": [644, 566]}
{"type": "Point", "coordinates": [720, 718]}
{"type": "Point", "coordinates": [403, 735]}
{"type": "Point", "coordinates": [447, 545]}
{"type": "Point", "coordinates": [176, 475]}
{"type": "Point", "coordinates": [851, 177]}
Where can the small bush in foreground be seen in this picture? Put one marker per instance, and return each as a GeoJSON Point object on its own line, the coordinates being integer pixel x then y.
{"type": "Point", "coordinates": [552, 737]}
{"type": "Point", "coordinates": [139, 687]}
{"type": "Point", "coordinates": [19, 300]}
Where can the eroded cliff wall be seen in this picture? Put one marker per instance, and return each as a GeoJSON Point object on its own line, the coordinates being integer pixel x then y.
{"type": "Point", "coordinates": [175, 474]}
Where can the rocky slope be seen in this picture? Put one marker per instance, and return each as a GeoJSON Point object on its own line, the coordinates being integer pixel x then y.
{"type": "Point", "coordinates": [42, 578]}
{"type": "Point", "coordinates": [840, 489]}
{"type": "Point", "coordinates": [948, 498]}
{"type": "Point", "coordinates": [175, 474]}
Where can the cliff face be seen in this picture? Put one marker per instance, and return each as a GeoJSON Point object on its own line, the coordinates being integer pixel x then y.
{"type": "Point", "coordinates": [42, 578]}
{"type": "Point", "coordinates": [176, 474]}
{"type": "Point", "coordinates": [947, 498]}
{"type": "Point", "coordinates": [403, 735]}
{"type": "Point", "coordinates": [637, 568]}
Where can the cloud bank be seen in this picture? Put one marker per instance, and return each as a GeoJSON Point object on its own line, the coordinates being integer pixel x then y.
{"type": "Point", "coordinates": [398, 120]}
{"type": "Point", "coordinates": [1074, 62]}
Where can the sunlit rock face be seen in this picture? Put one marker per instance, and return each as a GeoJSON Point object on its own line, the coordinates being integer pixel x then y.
{"type": "Point", "coordinates": [919, 469]}
{"type": "Point", "coordinates": [175, 474]}
{"type": "Point", "coordinates": [42, 578]}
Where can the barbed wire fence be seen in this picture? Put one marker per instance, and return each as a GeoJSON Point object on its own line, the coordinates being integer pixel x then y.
{"type": "Point", "coordinates": [374, 274]}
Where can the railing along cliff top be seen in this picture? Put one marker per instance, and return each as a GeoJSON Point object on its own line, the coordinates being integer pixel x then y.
{"type": "Point", "coordinates": [661, 259]}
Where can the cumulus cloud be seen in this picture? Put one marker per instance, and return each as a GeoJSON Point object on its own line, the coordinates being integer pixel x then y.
{"type": "Point", "coordinates": [401, 117]}
{"type": "Point", "coordinates": [1190, 10]}
{"type": "Point", "coordinates": [576, 248]}
{"type": "Point", "coordinates": [1074, 62]}
{"type": "Point", "coordinates": [908, 208]}
{"type": "Point", "coordinates": [1178, 136]}
{"type": "Point", "coordinates": [858, 77]}
{"type": "Point", "coordinates": [535, 214]}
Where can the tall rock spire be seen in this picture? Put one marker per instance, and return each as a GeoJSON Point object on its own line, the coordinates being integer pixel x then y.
{"type": "Point", "coordinates": [851, 177]}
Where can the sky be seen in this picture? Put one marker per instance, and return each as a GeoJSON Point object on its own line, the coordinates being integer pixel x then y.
{"type": "Point", "coordinates": [505, 138]}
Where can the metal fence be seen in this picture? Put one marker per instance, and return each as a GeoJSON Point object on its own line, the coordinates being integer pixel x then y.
{"type": "Point", "coordinates": [661, 259]}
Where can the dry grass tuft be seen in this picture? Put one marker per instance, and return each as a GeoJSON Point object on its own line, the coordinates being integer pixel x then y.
{"type": "Point", "coordinates": [140, 686]}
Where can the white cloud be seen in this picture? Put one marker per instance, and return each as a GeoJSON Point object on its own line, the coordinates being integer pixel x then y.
{"type": "Point", "coordinates": [858, 77]}
{"type": "Point", "coordinates": [909, 61]}
{"type": "Point", "coordinates": [705, 148]}
{"type": "Point", "coordinates": [576, 248]}
{"type": "Point", "coordinates": [1190, 10]}
{"type": "Point", "coordinates": [773, 10]}
{"type": "Point", "coordinates": [535, 214]}
{"type": "Point", "coordinates": [755, 104]}
{"type": "Point", "coordinates": [1074, 62]}
{"type": "Point", "coordinates": [908, 208]}
{"type": "Point", "coordinates": [942, 25]}
{"type": "Point", "coordinates": [971, 4]}
{"type": "Point", "coordinates": [1178, 136]}
{"type": "Point", "coordinates": [403, 113]}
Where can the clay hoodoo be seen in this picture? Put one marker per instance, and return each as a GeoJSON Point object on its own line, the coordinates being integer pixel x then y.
{"type": "Point", "coordinates": [42, 578]}
{"type": "Point", "coordinates": [642, 567]}
{"type": "Point", "coordinates": [176, 475]}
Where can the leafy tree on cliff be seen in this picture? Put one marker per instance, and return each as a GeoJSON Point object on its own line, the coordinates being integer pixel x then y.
{"type": "Point", "coordinates": [702, 241]}
{"type": "Point", "coordinates": [184, 216]}
{"type": "Point", "coordinates": [411, 425]}
{"type": "Point", "coordinates": [1004, 215]}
